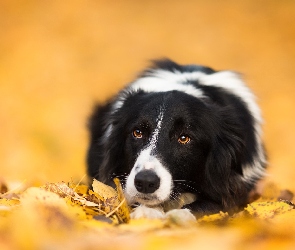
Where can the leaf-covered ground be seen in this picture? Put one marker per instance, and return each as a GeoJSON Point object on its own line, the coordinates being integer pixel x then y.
{"type": "Point", "coordinates": [72, 216]}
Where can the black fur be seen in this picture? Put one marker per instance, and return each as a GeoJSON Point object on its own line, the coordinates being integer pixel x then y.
{"type": "Point", "coordinates": [221, 128]}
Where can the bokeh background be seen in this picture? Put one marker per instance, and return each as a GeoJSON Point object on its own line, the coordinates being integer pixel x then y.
{"type": "Point", "coordinates": [57, 58]}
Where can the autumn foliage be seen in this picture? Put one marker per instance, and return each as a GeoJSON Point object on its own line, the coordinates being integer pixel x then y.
{"type": "Point", "coordinates": [67, 215]}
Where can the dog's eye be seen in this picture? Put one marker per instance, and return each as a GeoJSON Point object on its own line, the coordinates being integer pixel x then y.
{"type": "Point", "coordinates": [183, 139]}
{"type": "Point", "coordinates": [137, 133]}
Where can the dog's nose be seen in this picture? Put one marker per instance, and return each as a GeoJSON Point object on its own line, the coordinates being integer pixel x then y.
{"type": "Point", "coordinates": [146, 182]}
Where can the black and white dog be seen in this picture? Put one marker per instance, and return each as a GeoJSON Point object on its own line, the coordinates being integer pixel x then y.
{"type": "Point", "coordinates": [177, 130]}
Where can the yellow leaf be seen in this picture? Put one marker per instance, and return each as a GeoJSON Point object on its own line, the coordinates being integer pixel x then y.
{"type": "Point", "coordinates": [95, 197]}
{"type": "Point", "coordinates": [119, 188]}
{"type": "Point", "coordinates": [40, 195]}
{"type": "Point", "coordinates": [214, 218]}
{"type": "Point", "coordinates": [266, 210]}
{"type": "Point", "coordinates": [123, 210]}
{"type": "Point", "coordinates": [34, 196]}
{"type": "Point", "coordinates": [81, 189]}
{"type": "Point", "coordinates": [103, 190]}
{"type": "Point", "coordinates": [9, 202]}
{"type": "Point", "coordinates": [6, 205]}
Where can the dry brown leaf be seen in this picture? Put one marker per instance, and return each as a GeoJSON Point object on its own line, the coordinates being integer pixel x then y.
{"type": "Point", "coordinates": [3, 186]}
{"type": "Point", "coordinates": [62, 189]}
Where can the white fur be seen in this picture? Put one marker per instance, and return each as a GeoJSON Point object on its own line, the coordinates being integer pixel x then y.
{"type": "Point", "coordinates": [178, 216]}
{"type": "Point", "coordinates": [165, 81]}
{"type": "Point", "coordinates": [155, 135]}
{"type": "Point", "coordinates": [161, 81]}
{"type": "Point", "coordinates": [255, 170]}
{"type": "Point", "coordinates": [147, 161]}
{"type": "Point", "coordinates": [181, 216]}
{"type": "Point", "coordinates": [147, 212]}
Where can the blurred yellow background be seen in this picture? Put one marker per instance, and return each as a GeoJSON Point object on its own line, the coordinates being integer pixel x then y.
{"type": "Point", "coordinates": [58, 57]}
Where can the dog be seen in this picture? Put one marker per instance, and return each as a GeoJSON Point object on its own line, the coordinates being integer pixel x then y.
{"type": "Point", "coordinates": [180, 131]}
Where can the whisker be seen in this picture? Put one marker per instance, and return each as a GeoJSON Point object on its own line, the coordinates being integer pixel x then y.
{"type": "Point", "coordinates": [186, 185]}
{"type": "Point", "coordinates": [123, 186]}
{"type": "Point", "coordinates": [125, 175]}
{"type": "Point", "coordinates": [174, 200]}
{"type": "Point", "coordinates": [174, 195]}
{"type": "Point", "coordinates": [185, 181]}
{"type": "Point", "coordinates": [121, 177]}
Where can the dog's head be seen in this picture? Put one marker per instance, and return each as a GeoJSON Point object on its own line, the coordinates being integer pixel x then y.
{"type": "Point", "coordinates": [169, 143]}
{"type": "Point", "coordinates": [179, 129]}
{"type": "Point", "coordinates": [167, 146]}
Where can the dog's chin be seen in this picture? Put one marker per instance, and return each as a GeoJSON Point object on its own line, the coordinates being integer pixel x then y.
{"type": "Point", "coordinates": [147, 200]}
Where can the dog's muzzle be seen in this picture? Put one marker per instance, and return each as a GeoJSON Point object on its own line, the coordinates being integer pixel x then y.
{"type": "Point", "coordinates": [149, 182]}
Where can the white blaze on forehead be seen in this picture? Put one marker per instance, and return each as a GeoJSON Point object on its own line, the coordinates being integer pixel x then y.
{"type": "Point", "coordinates": [155, 135]}
{"type": "Point", "coordinates": [146, 160]}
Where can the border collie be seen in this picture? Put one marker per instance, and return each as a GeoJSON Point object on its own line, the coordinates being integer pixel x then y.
{"type": "Point", "coordinates": [180, 129]}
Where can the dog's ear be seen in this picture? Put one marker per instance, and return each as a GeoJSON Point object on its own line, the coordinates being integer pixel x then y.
{"type": "Point", "coordinates": [224, 160]}
{"type": "Point", "coordinates": [113, 153]}
{"type": "Point", "coordinates": [97, 125]}
{"type": "Point", "coordinates": [106, 143]}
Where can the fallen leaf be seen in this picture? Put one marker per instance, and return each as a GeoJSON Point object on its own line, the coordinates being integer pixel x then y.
{"type": "Point", "coordinates": [268, 209]}
{"type": "Point", "coordinates": [103, 190]}
{"type": "Point", "coordinates": [62, 189]}
{"type": "Point", "coordinates": [123, 208]}
{"type": "Point", "coordinates": [214, 218]}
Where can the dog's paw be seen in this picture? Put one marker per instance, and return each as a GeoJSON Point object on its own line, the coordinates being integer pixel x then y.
{"type": "Point", "coordinates": [147, 212]}
{"type": "Point", "coordinates": [181, 216]}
